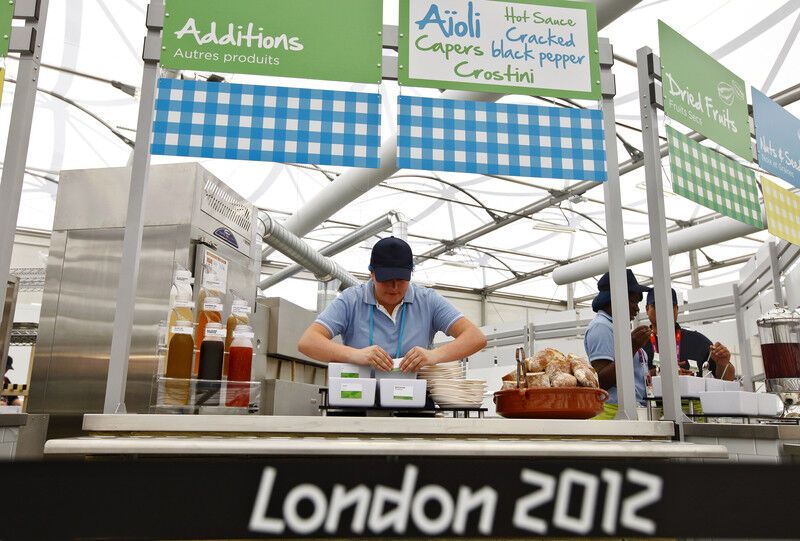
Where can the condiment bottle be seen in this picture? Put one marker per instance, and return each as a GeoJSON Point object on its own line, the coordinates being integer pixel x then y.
{"type": "Point", "coordinates": [240, 363]}
{"type": "Point", "coordinates": [240, 315]}
{"type": "Point", "coordinates": [180, 353]}
{"type": "Point", "coordinates": [211, 314]}
{"type": "Point", "coordinates": [180, 300]}
{"type": "Point", "coordinates": [210, 365]}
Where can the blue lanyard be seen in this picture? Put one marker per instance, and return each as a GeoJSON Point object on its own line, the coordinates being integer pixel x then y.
{"type": "Point", "coordinates": [402, 327]}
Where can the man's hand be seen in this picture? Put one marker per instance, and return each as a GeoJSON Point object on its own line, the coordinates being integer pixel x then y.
{"type": "Point", "coordinates": [639, 337]}
{"type": "Point", "coordinates": [720, 354]}
{"type": "Point", "coordinates": [416, 358]}
{"type": "Point", "coordinates": [373, 356]}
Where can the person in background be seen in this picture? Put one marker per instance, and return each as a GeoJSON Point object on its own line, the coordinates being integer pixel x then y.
{"type": "Point", "coordinates": [599, 342]}
{"type": "Point", "coordinates": [388, 317]}
{"type": "Point", "coordinates": [9, 400]}
{"type": "Point", "coordinates": [691, 345]}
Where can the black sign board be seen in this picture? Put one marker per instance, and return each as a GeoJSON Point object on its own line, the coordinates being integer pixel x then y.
{"type": "Point", "coordinates": [390, 497]}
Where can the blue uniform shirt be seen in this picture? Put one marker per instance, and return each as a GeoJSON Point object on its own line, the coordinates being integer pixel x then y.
{"type": "Point", "coordinates": [426, 313]}
{"type": "Point", "coordinates": [599, 344]}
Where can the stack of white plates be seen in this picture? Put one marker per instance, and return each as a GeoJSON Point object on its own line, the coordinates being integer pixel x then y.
{"type": "Point", "coordinates": [457, 392]}
{"type": "Point", "coordinates": [445, 371]}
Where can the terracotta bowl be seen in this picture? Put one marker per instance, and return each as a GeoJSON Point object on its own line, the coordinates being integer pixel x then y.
{"type": "Point", "coordinates": [550, 403]}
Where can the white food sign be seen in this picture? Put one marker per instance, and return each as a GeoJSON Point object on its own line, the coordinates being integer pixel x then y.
{"type": "Point", "coordinates": [540, 48]}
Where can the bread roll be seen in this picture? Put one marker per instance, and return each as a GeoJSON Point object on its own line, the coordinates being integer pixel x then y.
{"type": "Point", "coordinates": [537, 379]}
{"type": "Point", "coordinates": [583, 371]}
{"type": "Point", "coordinates": [509, 385]}
{"type": "Point", "coordinates": [564, 380]}
{"type": "Point", "coordinates": [537, 363]}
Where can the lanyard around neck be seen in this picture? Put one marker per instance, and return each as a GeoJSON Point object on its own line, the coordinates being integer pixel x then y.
{"type": "Point", "coordinates": [402, 327]}
{"type": "Point", "coordinates": [677, 342]}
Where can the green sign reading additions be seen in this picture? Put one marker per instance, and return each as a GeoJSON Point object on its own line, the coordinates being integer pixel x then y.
{"type": "Point", "coordinates": [333, 40]}
{"type": "Point", "coordinates": [702, 94]}
{"type": "Point", "coordinates": [6, 14]}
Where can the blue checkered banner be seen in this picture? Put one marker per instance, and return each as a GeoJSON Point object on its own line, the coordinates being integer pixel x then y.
{"type": "Point", "coordinates": [501, 139]}
{"type": "Point", "coordinates": [267, 123]}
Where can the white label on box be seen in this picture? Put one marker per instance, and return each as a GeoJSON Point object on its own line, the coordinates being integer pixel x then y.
{"type": "Point", "coordinates": [221, 333]}
{"type": "Point", "coordinates": [182, 330]}
{"type": "Point", "coordinates": [352, 390]}
{"type": "Point", "coordinates": [403, 392]}
{"type": "Point", "coordinates": [212, 307]}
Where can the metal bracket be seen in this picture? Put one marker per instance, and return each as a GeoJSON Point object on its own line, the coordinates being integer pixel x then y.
{"type": "Point", "coordinates": [654, 66]}
{"type": "Point", "coordinates": [390, 33]}
{"type": "Point", "coordinates": [606, 53]}
{"type": "Point", "coordinates": [151, 52]}
{"type": "Point", "coordinates": [155, 16]}
{"type": "Point", "coordinates": [27, 9]}
{"type": "Point", "coordinates": [389, 68]}
{"type": "Point", "coordinates": [22, 39]}
{"type": "Point", "coordinates": [608, 84]}
{"type": "Point", "coordinates": [656, 94]}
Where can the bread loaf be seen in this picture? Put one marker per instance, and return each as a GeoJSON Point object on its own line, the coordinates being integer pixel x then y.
{"type": "Point", "coordinates": [583, 371]}
{"type": "Point", "coordinates": [564, 380]}
{"type": "Point", "coordinates": [537, 379]}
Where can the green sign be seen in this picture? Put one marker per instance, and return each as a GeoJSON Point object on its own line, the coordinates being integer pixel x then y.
{"type": "Point", "coordinates": [537, 47]}
{"type": "Point", "coordinates": [6, 14]}
{"type": "Point", "coordinates": [313, 39]}
{"type": "Point", "coordinates": [702, 94]}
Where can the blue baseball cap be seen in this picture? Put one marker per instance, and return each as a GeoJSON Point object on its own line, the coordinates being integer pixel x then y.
{"type": "Point", "coordinates": [603, 298]}
{"type": "Point", "coordinates": [651, 298]}
{"type": "Point", "coordinates": [391, 260]}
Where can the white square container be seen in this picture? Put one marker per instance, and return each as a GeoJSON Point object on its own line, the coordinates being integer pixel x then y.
{"type": "Point", "coordinates": [402, 393]}
{"type": "Point", "coordinates": [347, 370]}
{"type": "Point", "coordinates": [349, 392]}
{"type": "Point", "coordinates": [729, 402]}
{"type": "Point", "coordinates": [396, 373]}
{"type": "Point", "coordinates": [687, 386]}
{"type": "Point", "coordinates": [731, 385]}
{"type": "Point", "coordinates": [769, 405]}
{"type": "Point", "coordinates": [714, 384]}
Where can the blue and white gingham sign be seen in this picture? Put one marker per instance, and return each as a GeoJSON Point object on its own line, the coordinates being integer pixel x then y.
{"type": "Point", "coordinates": [500, 139]}
{"type": "Point", "coordinates": [267, 123]}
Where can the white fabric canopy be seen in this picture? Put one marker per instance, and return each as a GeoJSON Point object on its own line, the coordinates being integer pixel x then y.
{"type": "Point", "coordinates": [756, 40]}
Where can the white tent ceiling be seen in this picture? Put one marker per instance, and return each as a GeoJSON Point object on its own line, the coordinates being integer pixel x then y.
{"type": "Point", "coordinates": [757, 40]}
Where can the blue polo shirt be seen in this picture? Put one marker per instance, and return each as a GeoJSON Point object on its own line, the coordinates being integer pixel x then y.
{"type": "Point", "coordinates": [426, 313]}
{"type": "Point", "coordinates": [599, 344]}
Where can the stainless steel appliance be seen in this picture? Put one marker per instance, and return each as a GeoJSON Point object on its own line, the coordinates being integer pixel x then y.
{"type": "Point", "coordinates": [779, 333]}
{"type": "Point", "coordinates": [189, 214]}
{"type": "Point", "coordinates": [287, 322]}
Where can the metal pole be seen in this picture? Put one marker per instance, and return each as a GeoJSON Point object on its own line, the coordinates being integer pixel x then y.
{"type": "Point", "coordinates": [19, 136]}
{"type": "Point", "coordinates": [132, 243]}
{"type": "Point", "coordinates": [774, 265]}
{"type": "Point", "coordinates": [695, 272]}
{"type": "Point", "coordinates": [649, 68]}
{"type": "Point", "coordinates": [570, 296]}
{"type": "Point", "coordinates": [745, 355]}
{"type": "Point", "coordinates": [623, 365]}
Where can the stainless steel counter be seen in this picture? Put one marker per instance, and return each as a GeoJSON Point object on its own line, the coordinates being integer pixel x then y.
{"type": "Point", "coordinates": [13, 419]}
{"type": "Point", "coordinates": [210, 435]}
{"type": "Point", "coordinates": [754, 431]}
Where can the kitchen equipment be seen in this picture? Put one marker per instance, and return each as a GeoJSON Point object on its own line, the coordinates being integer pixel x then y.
{"type": "Point", "coordinates": [550, 403]}
{"type": "Point", "coordinates": [779, 333]}
{"type": "Point", "coordinates": [192, 220]}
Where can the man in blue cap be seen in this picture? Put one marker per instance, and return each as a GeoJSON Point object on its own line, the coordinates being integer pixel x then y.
{"type": "Point", "coordinates": [389, 317]}
{"type": "Point", "coordinates": [599, 342]}
{"type": "Point", "coordinates": [690, 345]}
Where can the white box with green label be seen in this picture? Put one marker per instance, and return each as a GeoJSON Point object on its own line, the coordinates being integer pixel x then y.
{"type": "Point", "coordinates": [347, 370]}
{"type": "Point", "coordinates": [402, 393]}
{"type": "Point", "coordinates": [351, 392]}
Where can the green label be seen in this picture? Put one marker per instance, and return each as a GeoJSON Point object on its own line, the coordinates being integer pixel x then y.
{"type": "Point", "coordinates": [6, 14]}
{"type": "Point", "coordinates": [333, 40]}
{"type": "Point", "coordinates": [351, 394]}
{"type": "Point", "coordinates": [538, 47]}
{"type": "Point", "coordinates": [702, 94]}
{"type": "Point", "coordinates": [349, 375]}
